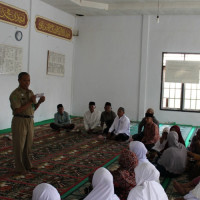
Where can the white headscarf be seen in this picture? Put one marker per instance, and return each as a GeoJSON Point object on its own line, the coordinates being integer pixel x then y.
{"type": "Point", "coordinates": [165, 130]}
{"type": "Point", "coordinates": [174, 158]}
{"type": "Point", "coordinates": [103, 188]}
{"type": "Point", "coordinates": [45, 191]}
{"type": "Point", "coordinates": [140, 150]}
{"type": "Point", "coordinates": [158, 146]}
{"type": "Point", "coordinates": [147, 186]}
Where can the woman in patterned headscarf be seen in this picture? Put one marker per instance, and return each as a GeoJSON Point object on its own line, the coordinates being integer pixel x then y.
{"type": "Point", "coordinates": [124, 176]}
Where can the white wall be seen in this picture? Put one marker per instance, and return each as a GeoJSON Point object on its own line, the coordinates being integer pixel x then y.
{"type": "Point", "coordinates": [107, 63]}
{"type": "Point", "coordinates": [172, 34]}
{"type": "Point", "coordinates": [119, 59]}
{"type": "Point", "coordinates": [9, 82]}
{"type": "Point", "coordinates": [116, 59]}
{"type": "Point", "coordinates": [56, 89]}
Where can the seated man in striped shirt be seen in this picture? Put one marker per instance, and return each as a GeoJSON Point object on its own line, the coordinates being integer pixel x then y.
{"type": "Point", "coordinates": [61, 119]}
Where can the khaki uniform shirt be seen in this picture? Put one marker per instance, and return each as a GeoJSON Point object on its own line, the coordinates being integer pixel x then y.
{"type": "Point", "coordinates": [20, 97]}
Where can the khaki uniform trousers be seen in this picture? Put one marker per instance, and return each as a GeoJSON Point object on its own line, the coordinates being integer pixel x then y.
{"type": "Point", "coordinates": [22, 131]}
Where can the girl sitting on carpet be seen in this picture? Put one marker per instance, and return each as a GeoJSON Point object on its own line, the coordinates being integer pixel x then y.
{"type": "Point", "coordinates": [192, 195]}
{"type": "Point", "coordinates": [124, 176]}
{"type": "Point", "coordinates": [45, 191]}
{"type": "Point", "coordinates": [147, 186]}
{"type": "Point", "coordinates": [103, 188]}
{"type": "Point", "coordinates": [174, 158]}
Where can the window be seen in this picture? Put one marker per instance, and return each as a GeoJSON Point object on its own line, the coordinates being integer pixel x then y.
{"type": "Point", "coordinates": [180, 87]}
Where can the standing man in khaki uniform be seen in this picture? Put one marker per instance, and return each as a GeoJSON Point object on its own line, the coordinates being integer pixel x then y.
{"type": "Point", "coordinates": [23, 104]}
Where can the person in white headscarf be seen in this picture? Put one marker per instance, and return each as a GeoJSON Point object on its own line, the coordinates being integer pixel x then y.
{"type": "Point", "coordinates": [45, 191]}
{"type": "Point", "coordinates": [140, 150]}
{"type": "Point", "coordinates": [147, 187]}
{"type": "Point", "coordinates": [192, 195]}
{"type": "Point", "coordinates": [174, 158]}
{"type": "Point", "coordinates": [103, 188]}
{"type": "Point", "coordinates": [160, 144]}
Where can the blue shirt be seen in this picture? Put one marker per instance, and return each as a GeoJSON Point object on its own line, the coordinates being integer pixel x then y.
{"type": "Point", "coordinates": [62, 119]}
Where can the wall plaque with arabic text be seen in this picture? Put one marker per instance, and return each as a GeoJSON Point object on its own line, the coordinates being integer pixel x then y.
{"type": "Point", "coordinates": [13, 15]}
{"type": "Point", "coordinates": [53, 28]}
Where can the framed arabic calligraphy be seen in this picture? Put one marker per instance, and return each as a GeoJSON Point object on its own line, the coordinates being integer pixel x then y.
{"type": "Point", "coordinates": [13, 15]}
{"type": "Point", "coordinates": [10, 59]}
{"type": "Point", "coordinates": [49, 27]}
{"type": "Point", "coordinates": [55, 64]}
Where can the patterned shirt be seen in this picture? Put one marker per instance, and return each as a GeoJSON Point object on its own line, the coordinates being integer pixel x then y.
{"type": "Point", "coordinates": [151, 134]}
{"type": "Point", "coordinates": [143, 123]}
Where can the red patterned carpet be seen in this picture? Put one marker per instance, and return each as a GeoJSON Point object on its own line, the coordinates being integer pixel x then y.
{"type": "Point", "coordinates": [63, 159]}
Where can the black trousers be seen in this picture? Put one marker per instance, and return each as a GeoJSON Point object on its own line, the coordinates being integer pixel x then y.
{"type": "Point", "coordinates": [138, 137]}
{"type": "Point", "coordinates": [121, 137]}
{"type": "Point", "coordinates": [56, 127]}
{"type": "Point", "coordinates": [165, 173]}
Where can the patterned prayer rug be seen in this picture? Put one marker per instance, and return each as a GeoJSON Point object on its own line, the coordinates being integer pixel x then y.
{"type": "Point", "coordinates": [63, 159]}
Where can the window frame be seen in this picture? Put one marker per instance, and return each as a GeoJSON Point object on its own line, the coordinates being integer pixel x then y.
{"type": "Point", "coordinates": [182, 88]}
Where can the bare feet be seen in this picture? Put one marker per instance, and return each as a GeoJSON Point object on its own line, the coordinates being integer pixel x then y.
{"type": "Point", "coordinates": [179, 188]}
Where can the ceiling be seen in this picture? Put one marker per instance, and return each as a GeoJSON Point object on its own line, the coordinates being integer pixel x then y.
{"type": "Point", "coordinates": [127, 7]}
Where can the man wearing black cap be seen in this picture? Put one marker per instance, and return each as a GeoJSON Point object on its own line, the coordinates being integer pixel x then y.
{"type": "Point", "coordinates": [141, 126]}
{"type": "Point", "coordinates": [107, 117]}
{"type": "Point", "coordinates": [92, 119]}
{"type": "Point", "coordinates": [151, 132]}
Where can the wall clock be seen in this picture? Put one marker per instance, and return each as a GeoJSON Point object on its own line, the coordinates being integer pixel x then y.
{"type": "Point", "coordinates": [18, 35]}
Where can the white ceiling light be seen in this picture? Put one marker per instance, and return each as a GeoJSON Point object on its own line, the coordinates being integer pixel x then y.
{"type": "Point", "coordinates": [158, 12]}
{"type": "Point", "coordinates": [91, 4]}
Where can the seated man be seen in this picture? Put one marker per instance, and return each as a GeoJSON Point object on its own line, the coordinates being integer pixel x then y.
{"type": "Point", "coordinates": [120, 126]}
{"type": "Point", "coordinates": [139, 136]}
{"type": "Point", "coordinates": [107, 117]}
{"type": "Point", "coordinates": [92, 119]}
{"type": "Point", "coordinates": [151, 132]}
{"type": "Point", "coordinates": [61, 119]}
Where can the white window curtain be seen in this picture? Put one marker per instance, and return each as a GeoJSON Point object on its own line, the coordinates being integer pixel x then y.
{"type": "Point", "coordinates": [182, 71]}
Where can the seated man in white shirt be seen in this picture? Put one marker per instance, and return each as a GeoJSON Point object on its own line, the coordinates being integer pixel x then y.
{"type": "Point", "coordinates": [92, 119]}
{"type": "Point", "coordinates": [120, 129]}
